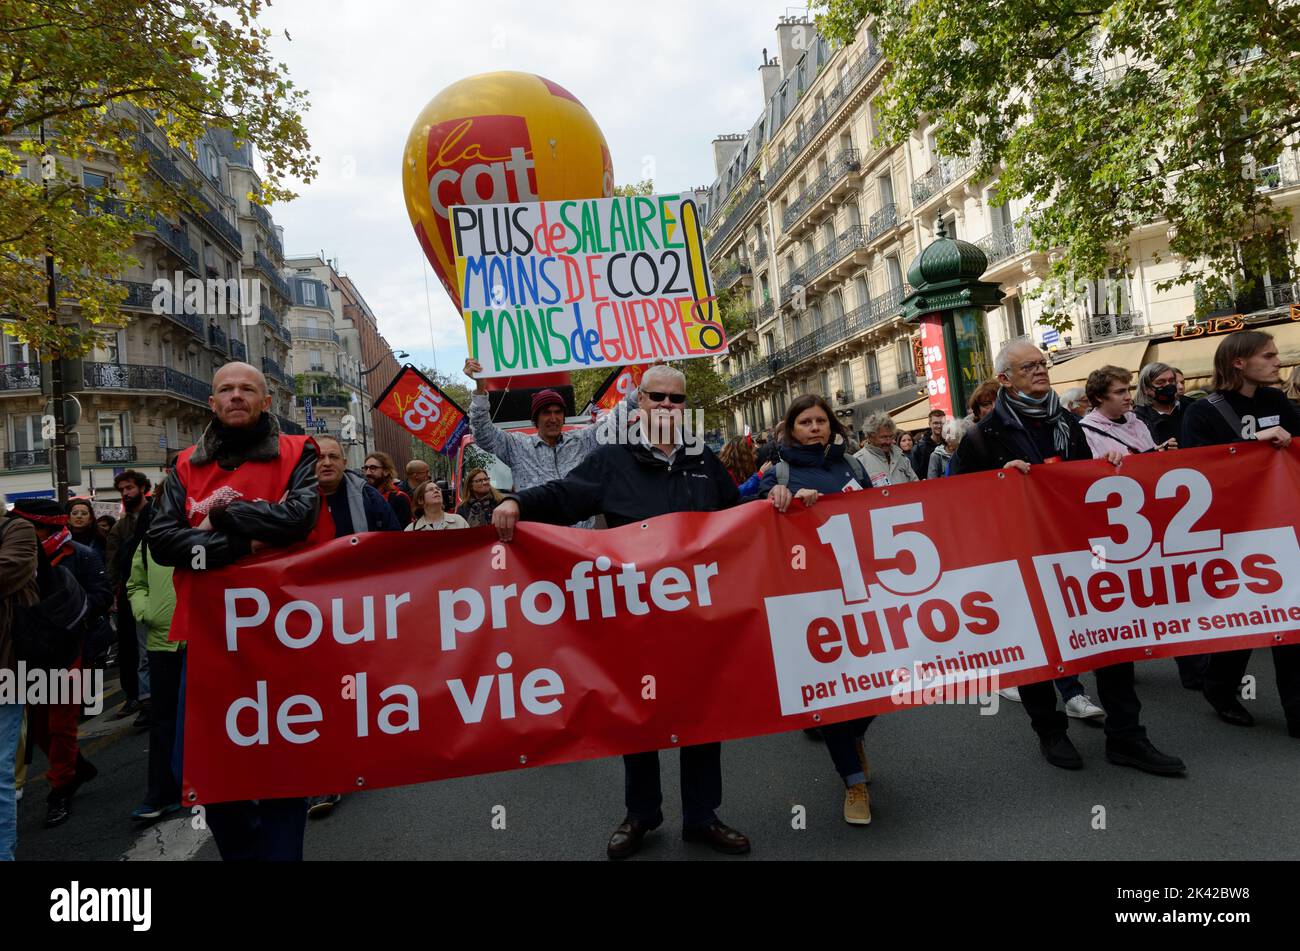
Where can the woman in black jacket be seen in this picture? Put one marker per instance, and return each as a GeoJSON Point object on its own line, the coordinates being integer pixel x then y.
{"type": "Point", "coordinates": [816, 463]}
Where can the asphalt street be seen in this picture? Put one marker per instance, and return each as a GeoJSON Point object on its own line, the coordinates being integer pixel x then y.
{"type": "Point", "coordinates": [948, 783]}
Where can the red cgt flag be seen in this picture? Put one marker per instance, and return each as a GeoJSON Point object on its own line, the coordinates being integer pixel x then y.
{"type": "Point", "coordinates": [429, 414]}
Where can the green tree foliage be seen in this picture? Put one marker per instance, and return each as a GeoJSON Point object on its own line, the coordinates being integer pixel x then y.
{"type": "Point", "coordinates": [77, 68]}
{"type": "Point", "coordinates": [644, 187]}
{"type": "Point", "coordinates": [1107, 115]}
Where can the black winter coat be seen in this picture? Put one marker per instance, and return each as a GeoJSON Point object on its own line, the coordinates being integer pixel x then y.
{"type": "Point", "coordinates": [628, 484]}
{"type": "Point", "coordinates": [1000, 437]}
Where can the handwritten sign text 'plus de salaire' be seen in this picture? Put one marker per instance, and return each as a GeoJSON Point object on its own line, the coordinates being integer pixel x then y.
{"type": "Point", "coordinates": [562, 285]}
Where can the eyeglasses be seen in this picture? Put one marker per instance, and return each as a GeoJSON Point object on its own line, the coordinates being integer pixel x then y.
{"type": "Point", "coordinates": [376, 468]}
{"type": "Point", "coordinates": [677, 398]}
{"type": "Point", "coordinates": [1031, 367]}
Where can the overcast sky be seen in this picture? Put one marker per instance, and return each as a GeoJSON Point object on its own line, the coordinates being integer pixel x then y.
{"type": "Point", "coordinates": [661, 79]}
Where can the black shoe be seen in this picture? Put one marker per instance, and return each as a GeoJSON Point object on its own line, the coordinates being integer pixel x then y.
{"type": "Point", "coordinates": [815, 735]}
{"type": "Point", "coordinates": [1059, 751]}
{"type": "Point", "coordinates": [627, 838]}
{"type": "Point", "coordinates": [720, 837]}
{"type": "Point", "coordinates": [1233, 712]}
{"type": "Point", "coordinates": [143, 721]}
{"type": "Point", "coordinates": [1140, 753]}
{"type": "Point", "coordinates": [57, 811]}
{"type": "Point", "coordinates": [128, 708]}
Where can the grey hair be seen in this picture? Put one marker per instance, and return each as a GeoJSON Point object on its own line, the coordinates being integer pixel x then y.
{"type": "Point", "coordinates": [1072, 395]}
{"type": "Point", "coordinates": [1149, 373]}
{"type": "Point", "coordinates": [955, 428]}
{"type": "Point", "coordinates": [878, 421]}
{"type": "Point", "coordinates": [1002, 362]}
{"type": "Point", "coordinates": [662, 370]}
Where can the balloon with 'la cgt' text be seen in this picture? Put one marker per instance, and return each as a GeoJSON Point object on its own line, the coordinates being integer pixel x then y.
{"type": "Point", "coordinates": [494, 138]}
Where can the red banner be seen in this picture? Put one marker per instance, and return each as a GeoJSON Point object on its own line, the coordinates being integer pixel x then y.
{"type": "Point", "coordinates": [429, 414]}
{"type": "Point", "coordinates": [384, 659]}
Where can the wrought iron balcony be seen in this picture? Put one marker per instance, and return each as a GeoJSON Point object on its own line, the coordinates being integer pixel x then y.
{"type": "Point", "coordinates": [760, 370]}
{"type": "Point", "coordinates": [117, 376]}
{"type": "Point", "coordinates": [263, 217]}
{"type": "Point", "coordinates": [837, 96]}
{"type": "Point", "coordinates": [906, 378]}
{"type": "Point", "coordinates": [217, 337]}
{"type": "Point", "coordinates": [273, 370]}
{"type": "Point", "coordinates": [330, 401]}
{"type": "Point", "coordinates": [1285, 171]}
{"type": "Point", "coordinates": [873, 388]}
{"type": "Point", "coordinates": [272, 322]}
{"type": "Point", "coordinates": [177, 239]}
{"type": "Point", "coordinates": [854, 239]}
{"type": "Point", "coordinates": [1279, 295]}
{"type": "Point", "coordinates": [732, 271]}
{"type": "Point", "coordinates": [161, 163]}
{"type": "Point", "coordinates": [314, 333]}
{"type": "Point", "coordinates": [27, 458]}
{"type": "Point", "coordinates": [764, 310]}
{"type": "Point", "coordinates": [882, 221]}
{"type": "Point", "coordinates": [737, 212]}
{"type": "Point", "coordinates": [238, 350]}
{"type": "Point", "coordinates": [20, 376]}
{"type": "Point", "coordinates": [844, 163]}
{"type": "Point", "coordinates": [115, 453]}
{"type": "Point", "coordinates": [944, 173]}
{"type": "Point", "coordinates": [1007, 241]}
{"type": "Point", "coordinates": [1106, 326]}
{"type": "Point", "coordinates": [273, 276]}
{"type": "Point", "coordinates": [223, 229]}
{"type": "Point", "coordinates": [787, 289]}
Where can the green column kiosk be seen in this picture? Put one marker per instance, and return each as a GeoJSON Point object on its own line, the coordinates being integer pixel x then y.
{"type": "Point", "coordinates": [948, 300]}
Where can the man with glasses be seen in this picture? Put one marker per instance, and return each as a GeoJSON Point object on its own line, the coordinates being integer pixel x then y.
{"type": "Point", "coordinates": [533, 458]}
{"type": "Point", "coordinates": [1027, 428]}
{"type": "Point", "coordinates": [631, 481]}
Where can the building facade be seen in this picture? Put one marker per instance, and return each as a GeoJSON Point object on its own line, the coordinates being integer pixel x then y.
{"type": "Point", "coordinates": [814, 227]}
{"type": "Point", "coordinates": [379, 366]}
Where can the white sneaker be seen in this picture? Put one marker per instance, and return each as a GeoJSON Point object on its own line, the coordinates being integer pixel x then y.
{"type": "Point", "coordinates": [1082, 708]}
{"type": "Point", "coordinates": [1010, 693]}
{"type": "Point", "coordinates": [18, 794]}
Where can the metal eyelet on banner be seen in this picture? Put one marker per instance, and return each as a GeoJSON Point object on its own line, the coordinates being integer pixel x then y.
{"type": "Point", "coordinates": [1148, 652]}
{"type": "Point", "coordinates": [817, 718]}
{"type": "Point", "coordinates": [523, 760]}
{"type": "Point", "coordinates": [361, 780]}
{"type": "Point", "coordinates": [1232, 449]}
{"type": "Point", "coordinates": [884, 492]}
{"type": "Point", "coordinates": [353, 540]}
{"type": "Point", "coordinates": [1001, 475]}
{"type": "Point", "coordinates": [645, 524]}
{"type": "Point", "coordinates": [193, 796]}
{"type": "Point", "coordinates": [673, 737]}
{"type": "Point", "coordinates": [1060, 669]}
{"type": "Point", "coordinates": [1278, 638]}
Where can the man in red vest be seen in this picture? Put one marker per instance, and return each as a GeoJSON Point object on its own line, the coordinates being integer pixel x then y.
{"type": "Point", "coordinates": [245, 486]}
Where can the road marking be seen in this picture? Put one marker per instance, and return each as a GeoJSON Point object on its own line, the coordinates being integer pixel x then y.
{"type": "Point", "coordinates": [172, 840]}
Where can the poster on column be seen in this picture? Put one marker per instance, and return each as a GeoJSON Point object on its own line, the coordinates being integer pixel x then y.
{"type": "Point", "coordinates": [936, 363]}
{"type": "Point", "coordinates": [389, 658]}
{"type": "Point", "coordinates": [570, 285]}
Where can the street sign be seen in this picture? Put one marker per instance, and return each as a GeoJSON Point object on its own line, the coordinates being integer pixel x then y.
{"type": "Point", "coordinates": [306, 403]}
{"type": "Point", "coordinates": [1051, 336]}
{"type": "Point", "coordinates": [71, 410]}
{"type": "Point", "coordinates": [162, 442]}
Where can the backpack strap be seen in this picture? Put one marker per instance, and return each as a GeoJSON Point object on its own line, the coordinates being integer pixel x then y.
{"type": "Point", "coordinates": [1102, 432]}
{"type": "Point", "coordinates": [1219, 402]}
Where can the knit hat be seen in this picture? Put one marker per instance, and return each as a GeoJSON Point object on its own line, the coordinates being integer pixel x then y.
{"type": "Point", "coordinates": [543, 399]}
{"type": "Point", "coordinates": [41, 511]}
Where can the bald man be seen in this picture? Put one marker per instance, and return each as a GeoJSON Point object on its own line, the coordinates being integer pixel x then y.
{"type": "Point", "coordinates": [245, 487]}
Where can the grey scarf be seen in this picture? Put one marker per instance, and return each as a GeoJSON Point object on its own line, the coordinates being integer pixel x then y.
{"type": "Point", "coordinates": [1050, 411]}
{"type": "Point", "coordinates": [355, 486]}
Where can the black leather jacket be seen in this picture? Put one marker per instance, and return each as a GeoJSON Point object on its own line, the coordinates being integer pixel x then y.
{"type": "Point", "coordinates": [172, 541]}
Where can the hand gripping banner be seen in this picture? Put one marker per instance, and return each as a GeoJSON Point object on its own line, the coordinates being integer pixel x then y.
{"type": "Point", "coordinates": [429, 414]}
{"type": "Point", "coordinates": [392, 658]}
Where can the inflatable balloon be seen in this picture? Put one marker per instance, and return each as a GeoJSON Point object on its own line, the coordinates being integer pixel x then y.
{"type": "Point", "coordinates": [493, 138]}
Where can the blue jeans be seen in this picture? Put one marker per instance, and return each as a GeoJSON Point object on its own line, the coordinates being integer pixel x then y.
{"type": "Point", "coordinates": [11, 721]}
{"type": "Point", "coordinates": [1068, 687]}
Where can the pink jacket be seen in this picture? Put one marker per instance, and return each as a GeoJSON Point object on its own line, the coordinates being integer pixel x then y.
{"type": "Point", "coordinates": [1130, 434]}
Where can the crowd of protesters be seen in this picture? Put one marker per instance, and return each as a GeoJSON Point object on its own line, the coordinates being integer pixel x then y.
{"type": "Point", "coordinates": [77, 591]}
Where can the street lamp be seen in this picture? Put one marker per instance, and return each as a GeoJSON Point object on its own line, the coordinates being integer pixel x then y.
{"type": "Point", "coordinates": [400, 354]}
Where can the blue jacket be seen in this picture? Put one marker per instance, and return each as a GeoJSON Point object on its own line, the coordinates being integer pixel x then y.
{"type": "Point", "coordinates": [823, 468]}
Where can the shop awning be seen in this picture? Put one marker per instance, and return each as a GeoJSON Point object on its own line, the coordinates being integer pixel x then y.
{"type": "Point", "coordinates": [1195, 357]}
{"type": "Point", "coordinates": [1127, 354]}
{"type": "Point", "coordinates": [914, 415]}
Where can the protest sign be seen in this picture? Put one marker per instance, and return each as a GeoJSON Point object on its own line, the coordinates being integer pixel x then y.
{"type": "Point", "coordinates": [429, 414]}
{"type": "Point", "coordinates": [567, 285]}
{"type": "Point", "coordinates": [383, 659]}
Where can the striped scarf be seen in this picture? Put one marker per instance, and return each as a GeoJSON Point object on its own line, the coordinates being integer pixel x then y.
{"type": "Point", "coordinates": [1049, 411]}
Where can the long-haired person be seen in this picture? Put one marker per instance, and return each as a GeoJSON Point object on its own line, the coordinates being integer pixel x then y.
{"type": "Point", "coordinates": [741, 462]}
{"type": "Point", "coordinates": [430, 516]}
{"type": "Point", "coordinates": [815, 462]}
{"type": "Point", "coordinates": [481, 498]}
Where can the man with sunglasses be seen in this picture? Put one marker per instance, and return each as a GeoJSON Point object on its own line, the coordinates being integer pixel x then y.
{"type": "Point", "coordinates": [1027, 428]}
{"type": "Point", "coordinates": [650, 474]}
{"type": "Point", "coordinates": [534, 459]}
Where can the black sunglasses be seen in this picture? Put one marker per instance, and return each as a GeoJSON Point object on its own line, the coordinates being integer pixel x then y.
{"type": "Point", "coordinates": [660, 397]}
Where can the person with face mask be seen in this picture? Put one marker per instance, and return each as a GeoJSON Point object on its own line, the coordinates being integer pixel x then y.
{"type": "Point", "coordinates": [1158, 404]}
